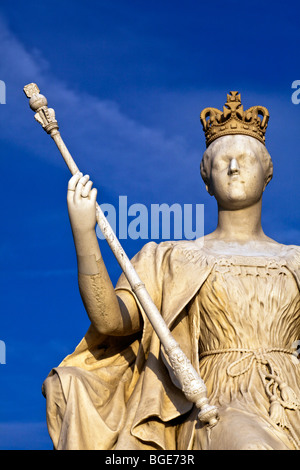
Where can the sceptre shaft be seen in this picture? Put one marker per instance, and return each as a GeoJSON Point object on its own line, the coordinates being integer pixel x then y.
{"type": "Point", "coordinates": [191, 383]}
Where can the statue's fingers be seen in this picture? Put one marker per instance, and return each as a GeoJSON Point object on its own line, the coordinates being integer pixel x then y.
{"type": "Point", "coordinates": [72, 186]}
{"type": "Point", "coordinates": [74, 180]}
{"type": "Point", "coordinates": [84, 179]}
{"type": "Point", "coordinates": [93, 195]}
{"type": "Point", "coordinates": [86, 189]}
{"type": "Point", "coordinates": [79, 187]}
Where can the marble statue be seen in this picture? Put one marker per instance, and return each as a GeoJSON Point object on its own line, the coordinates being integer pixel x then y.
{"type": "Point", "coordinates": [231, 300]}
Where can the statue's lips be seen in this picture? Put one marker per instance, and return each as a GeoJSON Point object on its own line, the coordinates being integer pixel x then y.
{"type": "Point", "coordinates": [235, 178]}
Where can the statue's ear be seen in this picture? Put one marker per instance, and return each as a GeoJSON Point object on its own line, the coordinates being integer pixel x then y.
{"type": "Point", "coordinates": [267, 181]}
{"type": "Point", "coordinates": [208, 189]}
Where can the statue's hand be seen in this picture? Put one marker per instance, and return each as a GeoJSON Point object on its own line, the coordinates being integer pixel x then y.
{"type": "Point", "coordinates": [81, 199]}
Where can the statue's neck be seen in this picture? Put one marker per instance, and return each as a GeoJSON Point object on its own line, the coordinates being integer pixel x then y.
{"type": "Point", "coordinates": [241, 224]}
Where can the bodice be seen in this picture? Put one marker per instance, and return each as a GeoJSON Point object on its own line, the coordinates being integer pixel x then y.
{"type": "Point", "coordinates": [249, 302]}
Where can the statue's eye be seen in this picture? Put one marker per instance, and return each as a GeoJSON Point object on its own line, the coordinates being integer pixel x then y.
{"type": "Point", "coordinates": [220, 164]}
{"type": "Point", "coordinates": [246, 159]}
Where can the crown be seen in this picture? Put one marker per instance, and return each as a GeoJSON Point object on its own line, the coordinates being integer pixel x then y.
{"type": "Point", "coordinates": [234, 120]}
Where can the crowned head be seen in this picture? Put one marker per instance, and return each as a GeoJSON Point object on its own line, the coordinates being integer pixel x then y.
{"type": "Point", "coordinates": [236, 157]}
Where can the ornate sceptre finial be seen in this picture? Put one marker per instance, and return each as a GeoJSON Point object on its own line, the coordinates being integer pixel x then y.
{"type": "Point", "coordinates": [44, 115]}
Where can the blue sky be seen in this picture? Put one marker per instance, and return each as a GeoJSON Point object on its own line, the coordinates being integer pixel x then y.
{"type": "Point", "coordinates": [128, 81]}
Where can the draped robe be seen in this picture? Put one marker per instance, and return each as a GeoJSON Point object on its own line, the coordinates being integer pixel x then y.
{"type": "Point", "coordinates": [121, 393]}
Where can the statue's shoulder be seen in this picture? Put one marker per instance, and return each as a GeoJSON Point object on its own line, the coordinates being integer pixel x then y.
{"type": "Point", "coordinates": [187, 252]}
{"type": "Point", "coordinates": [294, 248]}
{"type": "Point", "coordinates": [178, 250]}
{"type": "Point", "coordinates": [292, 254]}
{"type": "Point", "coordinates": [153, 252]}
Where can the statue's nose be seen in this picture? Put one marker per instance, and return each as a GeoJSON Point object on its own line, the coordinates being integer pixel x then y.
{"type": "Point", "coordinates": [233, 167]}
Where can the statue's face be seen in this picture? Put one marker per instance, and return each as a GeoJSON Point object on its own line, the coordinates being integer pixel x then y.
{"type": "Point", "coordinates": [237, 177]}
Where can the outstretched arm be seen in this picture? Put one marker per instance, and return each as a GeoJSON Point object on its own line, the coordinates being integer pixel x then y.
{"type": "Point", "coordinates": [110, 313]}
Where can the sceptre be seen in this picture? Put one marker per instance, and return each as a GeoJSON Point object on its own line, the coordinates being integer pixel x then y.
{"type": "Point", "coordinates": [190, 382]}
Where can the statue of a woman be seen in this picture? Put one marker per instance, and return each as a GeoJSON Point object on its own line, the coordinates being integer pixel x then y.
{"type": "Point", "coordinates": [231, 300]}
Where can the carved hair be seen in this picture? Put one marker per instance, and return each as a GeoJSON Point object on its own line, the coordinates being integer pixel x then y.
{"type": "Point", "coordinates": [265, 157]}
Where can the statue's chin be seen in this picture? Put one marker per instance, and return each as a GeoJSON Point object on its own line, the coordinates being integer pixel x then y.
{"type": "Point", "coordinates": [237, 195]}
{"type": "Point", "coordinates": [236, 200]}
